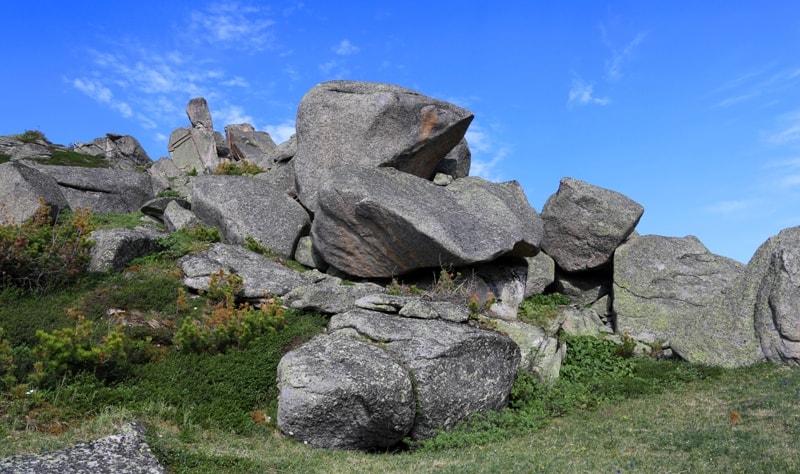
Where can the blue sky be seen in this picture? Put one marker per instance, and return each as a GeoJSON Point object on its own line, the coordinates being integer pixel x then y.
{"type": "Point", "coordinates": [691, 109]}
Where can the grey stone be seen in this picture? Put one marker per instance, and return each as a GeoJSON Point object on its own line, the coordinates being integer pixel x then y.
{"type": "Point", "coordinates": [673, 289]}
{"type": "Point", "coordinates": [306, 255]}
{"type": "Point", "coordinates": [241, 207]}
{"type": "Point", "coordinates": [122, 152]}
{"type": "Point", "coordinates": [383, 302]}
{"type": "Point", "coordinates": [457, 162]}
{"type": "Point", "coordinates": [442, 179]}
{"type": "Point", "coordinates": [193, 149]}
{"type": "Point", "coordinates": [342, 393]}
{"type": "Point", "coordinates": [329, 296]}
{"type": "Point", "coordinates": [383, 223]}
{"type": "Point", "coordinates": [22, 188]}
{"type": "Point", "coordinates": [541, 355]}
{"type": "Point", "coordinates": [583, 224]}
{"type": "Point", "coordinates": [582, 322]}
{"type": "Point", "coordinates": [504, 279]}
{"type": "Point", "coordinates": [284, 152]}
{"type": "Point", "coordinates": [176, 217]}
{"type": "Point", "coordinates": [248, 144]}
{"type": "Point", "coordinates": [223, 149]}
{"type": "Point", "coordinates": [198, 113]}
{"type": "Point", "coordinates": [422, 308]}
{"type": "Point", "coordinates": [280, 176]}
{"type": "Point", "coordinates": [584, 288]}
{"type": "Point", "coordinates": [770, 294]}
{"type": "Point", "coordinates": [541, 274]}
{"type": "Point", "coordinates": [155, 207]}
{"type": "Point", "coordinates": [260, 274]}
{"type": "Point", "coordinates": [372, 125]}
{"type": "Point", "coordinates": [34, 150]}
{"type": "Point", "coordinates": [458, 370]}
{"type": "Point", "coordinates": [123, 453]}
{"type": "Point", "coordinates": [102, 190]}
{"type": "Point", "coordinates": [115, 248]}
{"type": "Point", "coordinates": [162, 172]}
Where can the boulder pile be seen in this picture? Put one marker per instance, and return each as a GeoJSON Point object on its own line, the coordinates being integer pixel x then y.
{"type": "Point", "coordinates": [374, 193]}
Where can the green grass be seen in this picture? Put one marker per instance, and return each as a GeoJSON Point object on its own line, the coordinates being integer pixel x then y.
{"type": "Point", "coordinates": [4, 158]}
{"type": "Point", "coordinates": [73, 158]}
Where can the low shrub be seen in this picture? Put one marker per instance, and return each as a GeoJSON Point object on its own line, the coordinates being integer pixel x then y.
{"type": "Point", "coordinates": [541, 310]}
{"type": "Point", "coordinates": [238, 168]}
{"type": "Point", "coordinates": [31, 136]}
{"type": "Point", "coordinates": [40, 254]}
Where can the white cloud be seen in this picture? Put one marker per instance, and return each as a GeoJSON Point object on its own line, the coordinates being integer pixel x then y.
{"type": "Point", "coordinates": [236, 81]}
{"type": "Point", "coordinates": [281, 132]}
{"type": "Point", "coordinates": [334, 69]}
{"type": "Point", "coordinates": [230, 114]}
{"type": "Point", "coordinates": [621, 57]}
{"type": "Point", "coordinates": [345, 48]}
{"type": "Point", "coordinates": [729, 207]}
{"type": "Point", "coordinates": [102, 94]}
{"type": "Point", "coordinates": [232, 25]}
{"type": "Point", "coordinates": [789, 134]}
{"type": "Point", "coordinates": [582, 93]}
{"type": "Point", "coordinates": [488, 168]}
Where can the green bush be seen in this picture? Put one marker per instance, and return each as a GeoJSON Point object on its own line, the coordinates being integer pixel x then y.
{"type": "Point", "coordinates": [229, 325]}
{"type": "Point", "coordinates": [240, 168]}
{"type": "Point", "coordinates": [7, 366]}
{"type": "Point", "coordinates": [38, 255]}
{"type": "Point", "coordinates": [30, 136]}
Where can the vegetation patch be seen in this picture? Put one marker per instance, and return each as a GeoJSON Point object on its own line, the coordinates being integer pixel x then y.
{"type": "Point", "coordinates": [541, 310]}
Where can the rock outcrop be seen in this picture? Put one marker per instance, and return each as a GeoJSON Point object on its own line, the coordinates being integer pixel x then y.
{"type": "Point", "coordinates": [22, 191]}
{"type": "Point", "coordinates": [371, 125]}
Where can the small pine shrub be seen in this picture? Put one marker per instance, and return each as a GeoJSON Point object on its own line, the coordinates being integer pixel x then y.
{"type": "Point", "coordinates": [241, 168]}
{"type": "Point", "coordinates": [229, 325]}
{"type": "Point", "coordinates": [38, 254]}
{"type": "Point", "coordinates": [31, 136]}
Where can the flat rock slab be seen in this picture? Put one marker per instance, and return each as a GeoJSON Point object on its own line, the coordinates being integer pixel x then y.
{"type": "Point", "coordinates": [260, 274]}
{"type": "Point", "coordinates": [122, 453]}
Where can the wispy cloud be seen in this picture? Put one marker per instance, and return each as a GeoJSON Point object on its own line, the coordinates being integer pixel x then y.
{"type": "Point", "coordinates": [763, 83]}
{"type": "Point", "coordinates": [232, 25]}
{"type": "Point", "coordinates": [582, 93]}
{"type": "Point", "coordinates": [620, 58]}
{"type": "Point", "coordinates": [102, 94]}
{"type": "Point", "coordinates": [282, 131]}
{"type": "Point", "coordinates": [487, 157]}
{"type": "Point", "coordinates": [345, 48]}
{"type": "Point", "coordinates": [788, 133]}
{"type": "Point", "coordinates": [729, 207]}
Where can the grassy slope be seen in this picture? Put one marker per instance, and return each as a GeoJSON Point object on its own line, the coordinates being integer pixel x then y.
{"type": "Point", "coordinates": [215, 413]}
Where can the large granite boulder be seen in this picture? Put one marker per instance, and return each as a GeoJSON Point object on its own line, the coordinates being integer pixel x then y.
{"type": "Point", "coordinates": [541, 274]}
{"type": "Point", "coordinates": [122, 152]}
{"type": "Point", "coordinates": [770, 294]}
{"type": "Point", "coordinates": [340, 392]}
{"type": "Point", "coordinates": [380, 222]}
{"type": "Point", "coordinates": [457, 369]}
{"type": "Point", "coordinates": [329, 295]}
{"type": "Point", "coordinates": [373, 125]}
{"type": "Point", "coordinates": [198, 113]}
{"type": "Point", "coordinates": [22, 191]}
{"type": "Point", "coordinates": [260, 274]}
{"type": "Point", "coordinates": [242, 207]}
{"type": "Point", "coordinates": [674, 290]}
{"type": "Point", "coordinates": [102, 190]}
{"type": "Point", "coordinates": [583, 224]}
{"type": "Point", "coordinates": [114, 248]}
{"type": "Point", "coordinates": [193, 149]}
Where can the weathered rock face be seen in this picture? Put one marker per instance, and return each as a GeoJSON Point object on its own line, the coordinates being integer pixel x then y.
{"type": "Point", "coordinates": [248, 144]}
{"type": "Point", "coordinates": [770, 294]}
{"type": "Point", "coordinates": [458, 369]}
{"type": "Point", "coordinates": [458, 162]}
{"type": "Point", "coordinates": [372, 125]}
{"type": "Point", "coordinates": [102, 190]}
{"type": "Point", "coordinates": [675, 290]}
{"type": "Point", "coordinates": [260, 274]}
{"type": "Point", "coordinates": [193, 149]}
{"type": "Point", "coordinates": [329, 296]}
{"type": "Point", "coordinates": [583, 224]}
{"type": "Point", "coordinates": [122, 152]}
{"type": "Point", "coordinates": [383, 222]}
{"type": "Point", "coordinates": [198, 113]}
{"type": "Point", "coordinates": [21, 187]}
{"type": "Point", "coordinates": [339, 392]}
{"type": "Point", "coordinates": [242, 207]}
{"type": "Point", "coordinates": [541, 274]}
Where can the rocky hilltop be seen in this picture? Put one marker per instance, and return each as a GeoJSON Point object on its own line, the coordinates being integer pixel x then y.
{"type": "Point", "coordinates": [374, 188]}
